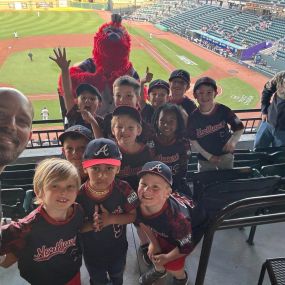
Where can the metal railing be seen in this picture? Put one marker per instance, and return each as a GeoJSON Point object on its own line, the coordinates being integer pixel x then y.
{"type": "Point", "coordinates": [45, 138]}
{"type": "Point", "coordinates": [222, 222]}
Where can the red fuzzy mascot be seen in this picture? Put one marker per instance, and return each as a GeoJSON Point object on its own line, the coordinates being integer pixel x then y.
{"type": "Point", "coordinates": [111, 51]}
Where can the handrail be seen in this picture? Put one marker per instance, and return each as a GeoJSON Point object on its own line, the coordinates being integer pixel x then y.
{"type": "Point", "coordinates": [221, 222]}
{"type": "Point", "coordinates": [47, 137]}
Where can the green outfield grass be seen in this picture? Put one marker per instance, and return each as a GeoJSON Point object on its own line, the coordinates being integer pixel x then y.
{"type": "Point", "coordinates": [41, 75]}
{"type": "Point", "coordinates": [49, 23]}
{"type": "Point", "coordinates": [174, 54]}
{"type": "Point", "coordinates": [52, 106]}
{"type": "Point", "coordinates": [237, 94]}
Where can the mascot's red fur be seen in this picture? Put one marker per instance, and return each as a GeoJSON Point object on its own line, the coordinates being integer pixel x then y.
{"type": "Point", "coordinates": [111, 51]}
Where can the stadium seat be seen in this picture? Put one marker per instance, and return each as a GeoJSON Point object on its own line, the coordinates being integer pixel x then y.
{"type": "Point", "coordinates": [17, 178]}
{"type": "Point", "coordinates": [12, 203]}
{"type": "Point", "coordinates": [276, 271]}
{"type": "Point", "coordinates": [203, 179]}
{"type": "Point", "coordinates": [273, 169]}
{"type": "Point", "coordinates": [26, 166]}
{"type": "Point", "coordinates": [218, 195]}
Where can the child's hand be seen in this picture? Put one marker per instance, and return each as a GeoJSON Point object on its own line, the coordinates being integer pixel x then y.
{"type": "Point", "coordinates": [97, 220]}
{"type": "Point", "coordinates": [152, 250]}
{"type": "Point", "coordinates": [102, 219]}
{"type": "Point", "coordinates": [148, 77]}
{"type": "Point", "coordinates": [264, 117]}
{"type": "Point", "coordinates": [87, 116]}
{"type": "Point", "coordinates": [60, 58]}
{"type": "Point", "coordinates": [160, 259]}
{"type": "Point", "coordinates": [229, 147]}
{"type": "Point", "coordinates": [215, 159]}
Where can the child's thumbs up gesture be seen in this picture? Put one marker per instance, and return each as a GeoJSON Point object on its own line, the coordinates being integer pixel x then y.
{"type": "Point", "coordinates": [105, 217]}
{"type": "Point", "coordinates": [97, 219]}
{"type": "Point", "coordinates": [148, 76]}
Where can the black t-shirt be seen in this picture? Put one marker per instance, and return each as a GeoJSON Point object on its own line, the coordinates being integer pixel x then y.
{"type": "Point", "coordinates": [187, 104]}
{"type": "Point", "coordinates": [211, 130]}
{"type": "Point", "coordinates": [48, 250]}
{"type": "Point", "coordinates": [174, 155]}
{"type": "Point", "coordinates": [103, 247]}
{"type": "Point", "coordinates": [75, 118]}
{"type": "Point", "coordinates": [132, 164]}
{"type": "Point", "coordinates": [147, 113]}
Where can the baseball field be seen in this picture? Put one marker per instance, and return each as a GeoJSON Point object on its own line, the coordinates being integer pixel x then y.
{"type": "Point", "coordinates": [39, 33]}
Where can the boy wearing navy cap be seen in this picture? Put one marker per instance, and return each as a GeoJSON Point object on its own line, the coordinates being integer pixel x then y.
{"type": "Point", "coordinates": [110, 204]}
{"type": "Point", "coordinates": [166, 218]}
{"type": "Point", "coordinates": [88, 98]}
{"type": "Point", "coordinates": [158, 94]}
{"type": "Point", "coordinates": [74, 141]}
{"type": "Point", "coordinates": [208, 128]}
{"type": "Point", "coordinates": [179, 82]}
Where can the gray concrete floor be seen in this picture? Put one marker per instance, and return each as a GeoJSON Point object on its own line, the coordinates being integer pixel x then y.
{"type": "Point", "coordinates": [232, 260]}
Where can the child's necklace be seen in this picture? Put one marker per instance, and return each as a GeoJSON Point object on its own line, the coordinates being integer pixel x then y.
{"type": "Point", "coordinates": [97, 193]}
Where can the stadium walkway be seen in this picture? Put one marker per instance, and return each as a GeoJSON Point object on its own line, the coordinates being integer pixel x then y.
{"type": "Point", "coordinates": [232, 262]}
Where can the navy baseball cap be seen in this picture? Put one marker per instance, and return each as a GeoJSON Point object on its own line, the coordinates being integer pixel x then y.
{"type": "Point", "coordinates": [207, 81]}
{"type": "Point", "coordinates": [158, 83]}
{"type": "Point", "coordinates": [180, 73]}
{"type": "Point", "coordinates": [157, 168]}
{"type": "Point", "coordinates": [76, 130]}
{"type": "Point", "coordinates": [101, 151]}
{"type": "Point", "coordinates": [89, 88]}
{"type": "Point", "coordinates": [130, 111]}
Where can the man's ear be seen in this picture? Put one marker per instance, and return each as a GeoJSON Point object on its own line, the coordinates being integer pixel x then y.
{"type": "Point", "coordinates": [31, 133]}
{"type": "Point", "coordinates": [216, 93]}
{"type": "Point", "coordinates": [118, 170]}
{"type": "Point", "coordinates": [139, 129]}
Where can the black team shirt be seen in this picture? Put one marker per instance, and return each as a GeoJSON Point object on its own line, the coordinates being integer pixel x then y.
{"type": "Point", "coordinates": [172, 223]}
{"type": "Point", "coordinates": [132, 163]}
{"type": "Point", "coordinates": [175, 155]}
{"type": "Point", "coordinates": [211, 130]}
{"type": "Point", "coordinates": [47, 250]}
{"type": "Point", "coordinates": [103, 247]}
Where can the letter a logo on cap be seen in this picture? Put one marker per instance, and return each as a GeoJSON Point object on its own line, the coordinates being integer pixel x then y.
{"type": "Point", "coordinates": [157, 167]}
{"type": "Point", "coordinates": [104, 149]}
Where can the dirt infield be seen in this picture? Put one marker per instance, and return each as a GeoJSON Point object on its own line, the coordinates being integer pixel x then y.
{"type": "Point", "coordinates": [222, 67]}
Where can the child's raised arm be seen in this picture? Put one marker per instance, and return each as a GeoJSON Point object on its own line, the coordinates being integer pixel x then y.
{"type": "Point", "coordinates": [146, 79]}
{"type": "Point", "coordinates": [62, 62]}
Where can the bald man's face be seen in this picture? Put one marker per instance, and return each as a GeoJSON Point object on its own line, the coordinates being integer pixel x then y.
{"type": "Point", "coordinates": [16, 115]}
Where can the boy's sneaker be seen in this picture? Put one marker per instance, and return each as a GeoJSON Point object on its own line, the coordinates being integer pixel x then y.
{"type": "Point", "coordinates": [151, 276]}
{"type": "Point", "coordinates": [144, 249]}
{"type": "Point", "coordinates": [180, 281]}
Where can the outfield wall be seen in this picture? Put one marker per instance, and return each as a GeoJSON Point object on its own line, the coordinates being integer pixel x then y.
{"type": "Point", "coordinates": [32, 5]}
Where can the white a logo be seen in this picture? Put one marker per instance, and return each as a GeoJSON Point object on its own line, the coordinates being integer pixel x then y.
{"type": "Point", "coordinates": [103, 149]}
{"type": "Point", "coordinates": [157, 167]}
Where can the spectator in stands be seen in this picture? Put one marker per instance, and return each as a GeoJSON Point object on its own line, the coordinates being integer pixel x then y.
{"type": "Point", "coordinates": [16, 116]}
{"type": "Point", "coordinates": [179, 82]}
{"type": "Point", "coordinates": [74, 141]}
{"type": "Point", "coordinates": [272, 128]}
{"type": "Point", "coordinates": [208, 128]}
